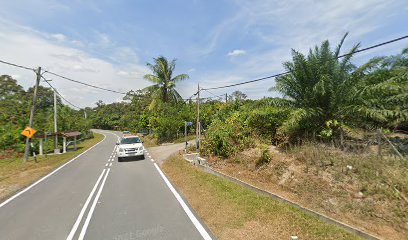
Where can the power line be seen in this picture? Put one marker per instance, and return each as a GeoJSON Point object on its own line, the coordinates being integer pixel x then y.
{"type": "Point", "coordinates": [86, 84]}
{"type": "Point", "coordinates": [284, 73]}
{"type": "Point", "coordinates": [59, 93]}
{"type": "Point", "coordinates": [375, 46]}
{"type": "Point", "coordinates": [16, 65]}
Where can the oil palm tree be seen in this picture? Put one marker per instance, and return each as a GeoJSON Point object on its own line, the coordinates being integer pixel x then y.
{"type": "Point", "coordinates": [164, 82]}
{"type": "Point", "coordinates": [323, 88]}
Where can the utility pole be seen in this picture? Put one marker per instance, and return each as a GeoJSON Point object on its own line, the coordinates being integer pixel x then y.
{"type": "Point", "coordinates": [226, 98]}
{"type": "Point", "coordinates": [198, 120]}
{"type": "Point", "coordinates": [85, 113]}
{"type": "Point", "coordinates": [30, 123]}
{"type": "Point", "coordinates": [55, 124]}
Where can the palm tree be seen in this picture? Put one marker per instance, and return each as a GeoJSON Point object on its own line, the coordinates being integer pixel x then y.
{"type": "Point", "coordinates": [165, 83]}
{"type": "Point", "coordinates": [323, 88]}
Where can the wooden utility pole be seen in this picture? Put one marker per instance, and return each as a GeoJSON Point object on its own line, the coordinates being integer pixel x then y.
{"type": "Point", "coordinates": [55, 123]}
{"type": "Point", "coordinates": [226, 98]}
{"type": "Point", "coordinates": [30, 123]}
{"type": "Point", "coordinates": [198, 120]}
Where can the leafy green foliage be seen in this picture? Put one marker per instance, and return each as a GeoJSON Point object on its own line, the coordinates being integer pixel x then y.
{"type": "Point", "coordinates": [15, 104]}
{"type": "Point", "coordinates": [226, 138]}
{"type": "Point", "coordinates": [265, 158]}
{"type": "Point", "coordinates": [321, 87]}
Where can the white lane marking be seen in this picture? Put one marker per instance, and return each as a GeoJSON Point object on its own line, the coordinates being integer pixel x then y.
{"type": "Point", "coordinates": [152, 160]}
{"type": "Point", "coordinates": [149, 157]}
{"type": "Point", "coordinates": [81, 214]}
{"type": "Point", "coordinates": [48, 175]}
{"type": "Point", "coordinates": [193, 219]}
{"type": "Point", "coordinates": [92, 209]}
{"type": "Point", "coordinates": [106, 164]}
{"type": "Point", "coordinates": [110, 164]}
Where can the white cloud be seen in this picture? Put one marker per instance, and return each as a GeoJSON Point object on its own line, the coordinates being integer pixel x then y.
{"type": "Point", "coordinates": [236, 52]}
{"type": "Point", "coordinates": [278, 26]}
{"type": "Point", "coordinates": [59, 37]}
{"type": "Point", "coordinates": [28, 47]}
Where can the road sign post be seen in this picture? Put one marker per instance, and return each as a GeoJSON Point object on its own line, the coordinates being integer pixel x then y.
{"type": "Point", "coordinates": [185, 132]}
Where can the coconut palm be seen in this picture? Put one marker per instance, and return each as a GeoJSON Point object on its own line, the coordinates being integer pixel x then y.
{"type": "Point", "coordinates": [164, 83]}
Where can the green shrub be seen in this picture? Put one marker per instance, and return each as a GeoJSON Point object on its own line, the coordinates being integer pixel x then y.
{"type": "Point", "coordinates": [226, 138]}
{"type": "Point", "coordinates": [264, 159]}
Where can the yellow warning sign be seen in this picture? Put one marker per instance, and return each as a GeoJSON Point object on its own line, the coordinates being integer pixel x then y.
{"type": "Point", "coordinates": [28, 132]}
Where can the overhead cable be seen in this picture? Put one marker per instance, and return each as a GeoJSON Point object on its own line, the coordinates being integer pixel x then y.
{"type": "Point", "coordinates": [284, 73]}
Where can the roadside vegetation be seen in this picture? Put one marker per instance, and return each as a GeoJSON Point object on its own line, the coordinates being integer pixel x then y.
{"type": "Point", "coordinates": [334, 140]}
{"type": "Point", "coordinates": [15, 103]}
{"type": "Point", "coordinates": [234, 212]}
{"type": "Point", "coordinates": [15, 174]}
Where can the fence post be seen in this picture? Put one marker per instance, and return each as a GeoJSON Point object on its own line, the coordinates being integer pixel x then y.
{"type": "Point", "coordinates": [379, 142]}
{"type": "Point", "coordinates": [64, 145]}
{"type": "Point", "coordinates": [41, 146]}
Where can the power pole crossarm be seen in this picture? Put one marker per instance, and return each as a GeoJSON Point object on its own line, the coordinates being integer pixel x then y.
{"type": "Point", "coordinates": [31, 121]}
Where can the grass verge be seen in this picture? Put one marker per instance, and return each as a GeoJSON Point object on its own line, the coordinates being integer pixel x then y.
{"type": "Point", "coordinates": [234, 212]}
{"type": "Point", "coordinates": [15, 174]}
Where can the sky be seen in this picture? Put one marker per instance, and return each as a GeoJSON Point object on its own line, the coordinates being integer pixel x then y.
{"type": "Point", "coordinates": [217, 42]}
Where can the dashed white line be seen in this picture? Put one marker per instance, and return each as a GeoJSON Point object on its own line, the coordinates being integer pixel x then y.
{"type": "Point", "coordinates": [110, 164]}
{"type": "Point", "coordinates": [106, 165]}
{"type": "Point", "coordinates": [88, 218]}
{"type": "Point", "coordinates": [186, 209]}
{"type": "Point", "coordinates": [81, 214]}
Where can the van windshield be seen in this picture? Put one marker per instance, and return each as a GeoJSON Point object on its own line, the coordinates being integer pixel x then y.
{"type": "Point", "coordinates": [131, 140]}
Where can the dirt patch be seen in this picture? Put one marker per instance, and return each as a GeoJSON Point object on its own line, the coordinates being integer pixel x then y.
{"type": "Point", "coordinates": [322, 181]}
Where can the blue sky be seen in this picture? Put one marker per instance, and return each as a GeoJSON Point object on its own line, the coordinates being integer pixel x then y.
{"type": "Point", "coordinates": [108, 42]}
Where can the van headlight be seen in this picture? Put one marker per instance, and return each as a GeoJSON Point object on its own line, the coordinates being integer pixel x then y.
{"type": "Point", "coordinates": [121, 150]}
{"type": "Point", "coordinates": [141, 148]}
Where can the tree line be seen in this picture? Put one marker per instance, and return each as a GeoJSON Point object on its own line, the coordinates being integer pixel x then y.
{"type": "Point", "coordinates": [323, 94]}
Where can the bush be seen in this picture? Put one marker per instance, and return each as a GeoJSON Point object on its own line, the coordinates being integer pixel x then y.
{"type": "Point", "coordinates": [227, 138]}
{"type": "Point", "coordinates": [265, 121]}
{"type": "Point", "coordinates": [264, 159]}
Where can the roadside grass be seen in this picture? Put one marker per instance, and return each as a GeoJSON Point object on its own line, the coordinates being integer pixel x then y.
{"type": "Point", "coordinates": [15, 174]}
{"type": "Point", "coordinates": [357, 188]}
{"type": "Point", "coordinates": [234, 212]}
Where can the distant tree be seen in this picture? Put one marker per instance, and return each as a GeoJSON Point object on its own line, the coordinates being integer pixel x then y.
{"type": "Point", "coordinates": [237, 96]}
{"type": "Point", "coordinates": [165, 83]}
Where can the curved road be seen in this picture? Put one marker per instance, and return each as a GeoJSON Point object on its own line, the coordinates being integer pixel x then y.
{"type": "Point", "coordinates": [96, 197]}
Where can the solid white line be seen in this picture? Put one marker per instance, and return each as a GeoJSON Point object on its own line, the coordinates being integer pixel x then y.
{"type": "Point", "coordinates": [48, 175]}
{"type": "Point", "coordinates": [193, 219]}
{"type": "Point", "coordinates": [92, 209]}
{"type": "Point", "coordinates": [81, 214]}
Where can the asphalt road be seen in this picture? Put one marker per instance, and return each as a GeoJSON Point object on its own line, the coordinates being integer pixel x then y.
{"type": "Point", "coordinates": [96, 197]}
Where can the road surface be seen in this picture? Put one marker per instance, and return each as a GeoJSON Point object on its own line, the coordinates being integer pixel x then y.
{"type": "Point", "coordinates": [96, 197]}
